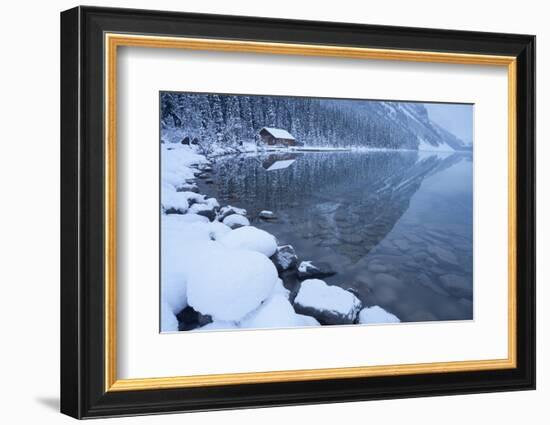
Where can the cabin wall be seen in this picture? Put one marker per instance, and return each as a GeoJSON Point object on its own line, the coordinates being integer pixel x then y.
{"type": "Point", "coordinates": [268, 139]}
{"type": "Point", "coordinates": [272, 141]}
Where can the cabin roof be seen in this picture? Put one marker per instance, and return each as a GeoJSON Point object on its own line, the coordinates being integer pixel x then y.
{"type": "Point", "coordinates": [279, 133]}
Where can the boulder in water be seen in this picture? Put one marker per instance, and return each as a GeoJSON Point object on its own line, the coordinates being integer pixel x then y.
{"type": "Point", "coordinates": [285, 258]}
{"type": "Point", "coordinates": [267, 215]}
{"type": "Point", "coordinates": [235, 221]}
{"type": "Point", "coordinates": [226, 283]}
{"type": "Point", "coordinates": [228, 210]}
{"type": "Point", "coordinates": [251, 238]}
{"type": "Point", "coordinates": [330, 305]}
{"type": "Point", "coordinates": [310, 270]}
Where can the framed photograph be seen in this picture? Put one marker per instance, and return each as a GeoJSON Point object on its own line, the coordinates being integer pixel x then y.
{"type": "Point", "coordinates": [261, 212]}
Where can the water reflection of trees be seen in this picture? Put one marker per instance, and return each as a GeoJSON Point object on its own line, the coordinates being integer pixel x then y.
{"type": "Point", "coordinates": [350, 201]}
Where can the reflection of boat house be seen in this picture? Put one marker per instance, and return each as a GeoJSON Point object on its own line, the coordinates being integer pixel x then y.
{"type": "Point", "coordinates": [278, 161]}
{"type": "Point", "coordinates": [278, 137]}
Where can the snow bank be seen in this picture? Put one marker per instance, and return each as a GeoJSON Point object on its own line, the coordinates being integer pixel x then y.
{"type": "Point", "coordinates": [178, 220]}
{"type": "Point", "coordinates": [330, 304]}
{"type": "Point", "coordinates": [276, 312]}
{"type": "Point", "coordinates": [279, 289]}
{"type": "Point", "coordinates": [236, 220]}
{"type": "Point", "coordinates": [177, 169]}
{"type": "Point", "coordinates": [246, 147]}
{"type": "Point", "coordinates": [168, 320]}
{"type": "Point", "coordinates": [183, 230]}
{"type": "Point", "coordinates": [176, 161]}
{"type": "Point", "coordinates": [216, 326]}
{"type": "Point", "coordinates": [176, 178]}
{"type": "Point", "coordinates": [179, 234]}
{"type": "Point", "coordinates": [376, 314]}
{"type": "Point", "coordinates": [228, 283]}
{"type": "Point", "coordinates": [251, 238]}
{"type": "Point", "coordinates": [174, 289]}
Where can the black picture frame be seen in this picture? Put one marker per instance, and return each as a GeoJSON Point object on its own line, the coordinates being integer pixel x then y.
{"type": "Point", "coordinates": [83, 392]}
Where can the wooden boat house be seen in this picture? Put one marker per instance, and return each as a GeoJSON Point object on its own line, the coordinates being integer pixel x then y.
{"type": "Point", "coordinates": [278, 137]}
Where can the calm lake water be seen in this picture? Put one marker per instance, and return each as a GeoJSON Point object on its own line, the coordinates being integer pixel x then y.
{"type": "Point", "coordinates": [396, 226]}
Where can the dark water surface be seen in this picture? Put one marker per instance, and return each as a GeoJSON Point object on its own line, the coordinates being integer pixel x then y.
{"type": "Point", "coordinates": [396, 226]}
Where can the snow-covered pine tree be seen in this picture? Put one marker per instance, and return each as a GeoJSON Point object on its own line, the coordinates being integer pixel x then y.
{"type": "Point", "coordinates": [233, 127]}
{"type": "Point", "coordinates": [217, 118]}
{"type": "Point", "coordinates": [206, 127]}
{"type": "Point", "coordinates": [247, 119]}
{"type": "Point", "coordinates": [270, 115]}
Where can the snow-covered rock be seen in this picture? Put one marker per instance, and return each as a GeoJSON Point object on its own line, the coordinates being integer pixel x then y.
{"type": "Point", "coordinates": [275, 312]}
{"type": "Point", "coordinates": [267, 215]}
{"type": "Point", "coordinates": [212, 203]}
{"type": "Point", "coordinates": [376, 314]}
{"type": "Point", "coordinates": [187, 187]}
{"type": "Point", "coordinates": [218, 230]}
{"type": "Point", "coordinates": [284, 258]}
{"type": "Point", "coordinates": [310, 270]}
{"type": "Point", "coordinates": [228, 210]}
{"type": "Point", "coordinates": [181, 234]}
{"type": "Point", "coordinates": [251, 238]}
{"type": "Point", "coordinates": [204, 209]}
{"type": "Point", "coordinates": [191, 319]}
{"type": "Point", "coordinates": [235, 221]}
{"type": "Point", "coordinates": [205, 168]}
{"type": "Point", "coordinates": [179, 202]}
{"type": "Point", "coordinates": [228, 283]}
{"type": "Point", "coordinates": [328, 304]}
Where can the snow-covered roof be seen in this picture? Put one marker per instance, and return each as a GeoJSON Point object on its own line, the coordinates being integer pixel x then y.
{"type": "Point", "coordinates": [279, 133]}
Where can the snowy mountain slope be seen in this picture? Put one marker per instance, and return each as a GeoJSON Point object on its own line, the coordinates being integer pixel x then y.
{"type": "Point", "coordinates": [410, 118]}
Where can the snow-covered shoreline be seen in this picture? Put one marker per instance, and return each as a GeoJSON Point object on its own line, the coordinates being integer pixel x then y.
{"type": "Point", "coordinates": [219, 272]}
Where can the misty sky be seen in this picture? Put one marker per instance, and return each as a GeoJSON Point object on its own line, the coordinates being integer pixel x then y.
{"type": "Point", "coordinates": [458, 119]}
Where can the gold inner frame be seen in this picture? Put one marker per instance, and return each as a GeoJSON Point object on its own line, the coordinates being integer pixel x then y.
{"type": "Point", "coordinates": [113, 41]}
